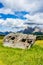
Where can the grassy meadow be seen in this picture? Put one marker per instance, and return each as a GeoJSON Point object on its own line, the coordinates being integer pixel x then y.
{"type": "Point", "coordinates": [12, 56]}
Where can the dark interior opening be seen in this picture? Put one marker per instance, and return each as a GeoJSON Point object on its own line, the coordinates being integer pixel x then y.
{"type": "Point", "coordinates": [9, 36]}
{"type": "Point", "coordinates": [23, 40]}
{"type": "Point", "coordinates": [12, 38]}
{"type": "Point", "coordinates": [29, 41]}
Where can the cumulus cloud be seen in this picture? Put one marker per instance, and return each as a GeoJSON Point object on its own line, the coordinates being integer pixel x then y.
{"type": "Point", "coordinates": [27, 5]}
{"type": "Point", "coordinates": [16, 24]}
{"type": "Point", "coordinates": [37, 18]}
{"type": "Point", "coordinates": [6, 11]}
{"type": "Point", "coordinates": [35, 15]}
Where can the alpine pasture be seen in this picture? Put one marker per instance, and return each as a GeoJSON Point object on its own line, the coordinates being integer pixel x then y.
{"type": "Point", "coordinates": [15, 56]}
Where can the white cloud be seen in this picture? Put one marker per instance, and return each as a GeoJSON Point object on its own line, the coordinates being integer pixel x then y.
{"type": "Point", "coordinates": [35, 7]}
{"type": "Point", "coordinates": [1, 21]}
{"type": "Point", "coordinates": [37, 18]}
{"type": "Point", "coordinates": [13, 23]}
{"type": "Point", "coordinates": [6, 11]}
{"type": "Point", "coordinates": [31, 6]}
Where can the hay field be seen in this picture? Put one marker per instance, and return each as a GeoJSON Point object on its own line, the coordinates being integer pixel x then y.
{"type": "Point", "coordinates": [11, 56]}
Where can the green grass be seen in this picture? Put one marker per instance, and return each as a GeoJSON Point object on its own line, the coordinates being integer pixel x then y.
{"type": "Point", "coordinates": [12, 56]}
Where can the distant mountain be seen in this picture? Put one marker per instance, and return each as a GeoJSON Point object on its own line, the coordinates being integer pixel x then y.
{"type": "Point", "coordinates": [38, 33]}
{"type": "Point", "coordinates": [1, 33]}
{"type": "Point", "coordinates": [4, 33]}
{"type": "Point", "coordinates": [36, 29]}
{"type": "Point", "coordinates": [30, 30]}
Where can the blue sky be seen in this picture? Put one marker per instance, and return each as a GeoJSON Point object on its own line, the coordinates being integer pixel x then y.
{"type": "Point", "coordinates": [14, 15]}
